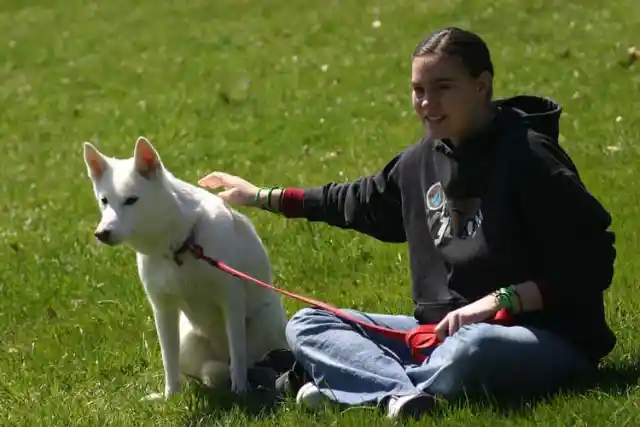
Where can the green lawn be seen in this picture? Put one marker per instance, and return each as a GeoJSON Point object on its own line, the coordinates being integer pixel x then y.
{"type": "Point", "coordinates": [279, 94]}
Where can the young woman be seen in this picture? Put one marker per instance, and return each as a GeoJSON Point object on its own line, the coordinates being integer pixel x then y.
{"type": "Point", "coordinates": [511, 226]}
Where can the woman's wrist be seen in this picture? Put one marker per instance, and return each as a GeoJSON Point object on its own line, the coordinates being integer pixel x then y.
{"type": "Point", "coordinates": [507, 298]}
{"type": "Point", "coordinates": [269, 198]}
{"type": "Point", "coordinates": [519, 298]}
{"type": "Point", "coordinates": [530, 296]}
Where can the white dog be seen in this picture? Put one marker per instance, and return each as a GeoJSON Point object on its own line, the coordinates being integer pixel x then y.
{"type": "Point", "coordinates": [210, 324]}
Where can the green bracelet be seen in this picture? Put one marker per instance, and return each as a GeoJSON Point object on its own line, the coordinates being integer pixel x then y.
{"type": "Point", "coordinates": [269, 190]}
{"type": "Point", "coordinates": [504, 298]}
{"type": "Point", "coordinates": [269, 198]}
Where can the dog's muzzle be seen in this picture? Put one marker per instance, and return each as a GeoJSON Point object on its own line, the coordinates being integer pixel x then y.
{"type": "Point", "coordinates": [104, 236]}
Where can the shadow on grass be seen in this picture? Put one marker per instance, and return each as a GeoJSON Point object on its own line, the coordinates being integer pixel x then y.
{"type": "Point", "coordinates": [614, 380]}
{"type": "Point", "coordinates": [210, 404]}
{"type": "Point", "coordinates": [618, 379]}
{"type": "Point", "coordinates": [213, 403]}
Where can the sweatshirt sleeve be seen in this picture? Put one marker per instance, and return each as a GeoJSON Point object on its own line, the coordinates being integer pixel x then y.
{"type": "Point", "coordinates": [371, 205]}
{"type": "Point", "coordinates": [572, 250]}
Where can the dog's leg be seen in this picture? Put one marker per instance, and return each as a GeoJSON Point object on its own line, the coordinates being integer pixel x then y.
{"type": "Point", "coordinates": [235, 323]}
{"type": "Point", "coordinates": [166, 314]}
{"type": "Point", "coordinates": [198, 358]}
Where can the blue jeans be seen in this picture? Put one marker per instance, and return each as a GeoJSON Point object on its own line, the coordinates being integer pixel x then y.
{"type": "Point", "coordinates": [352, 365]}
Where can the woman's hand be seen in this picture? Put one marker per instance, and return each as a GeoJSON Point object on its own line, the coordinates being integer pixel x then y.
{"type": "Point", "coordinates": [236, 190]}
{"type": "Point", "coordinates": [475, 312]}
{"type": "Point", "coordinates": [527, 297]}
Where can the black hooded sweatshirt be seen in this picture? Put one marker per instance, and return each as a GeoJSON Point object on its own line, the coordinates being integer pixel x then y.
{"type": "Point", "coordinates": [503, 207]}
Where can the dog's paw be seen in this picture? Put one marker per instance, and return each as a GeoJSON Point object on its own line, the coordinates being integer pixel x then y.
{"type": "Point", "coordinates": [214, 373]}
{"type": "Point", "coordinates": [153, 397]}
{"type": "Point", "coordinates": [239, 382]}
{"type": "Point", "coordinates": [240, 388]}
{"type": "Point", "coordinates": [158, 397]}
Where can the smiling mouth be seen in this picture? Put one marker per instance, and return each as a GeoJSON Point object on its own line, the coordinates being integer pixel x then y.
{"type": "Point", "coordinates": [435, 119]}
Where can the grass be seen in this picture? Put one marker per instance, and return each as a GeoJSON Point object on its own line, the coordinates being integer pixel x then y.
{"type": "Point", "coordinates": [296, 94]}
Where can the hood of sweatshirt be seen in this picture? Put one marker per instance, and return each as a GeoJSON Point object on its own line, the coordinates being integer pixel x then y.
{"type": "Point", "coordinates": [540, 114]}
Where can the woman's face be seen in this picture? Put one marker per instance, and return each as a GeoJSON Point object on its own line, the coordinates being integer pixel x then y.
{"type": "Point", "coordinates": [448, 100]}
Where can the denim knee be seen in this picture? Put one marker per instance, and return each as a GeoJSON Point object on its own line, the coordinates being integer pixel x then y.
{"type": "Point", "coordinates": [464, 364]}
{"type": "Point", "coordinates": [471, 343]}
{"type": "Point", "coordinates": [305, 322]}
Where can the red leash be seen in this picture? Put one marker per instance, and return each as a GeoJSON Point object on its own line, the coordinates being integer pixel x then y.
{"type": "Point", "coordinates": [418, 338]}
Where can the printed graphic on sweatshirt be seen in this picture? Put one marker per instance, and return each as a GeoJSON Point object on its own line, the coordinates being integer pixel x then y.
{"type": "Point", "coordinates": [451, 218]}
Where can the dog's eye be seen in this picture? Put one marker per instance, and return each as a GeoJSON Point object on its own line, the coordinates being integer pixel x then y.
{"type": "Point", "coordinates": [104, 201]}
{"type": "Point", "coordinates": [130, 200]}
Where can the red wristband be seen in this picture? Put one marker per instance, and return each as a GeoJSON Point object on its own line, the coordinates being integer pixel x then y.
{"type": "Point", "coordinates": [292, 202]}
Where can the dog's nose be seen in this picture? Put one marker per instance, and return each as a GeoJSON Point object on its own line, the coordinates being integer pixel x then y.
{"type": "Point", "coordinates": [103, 235]}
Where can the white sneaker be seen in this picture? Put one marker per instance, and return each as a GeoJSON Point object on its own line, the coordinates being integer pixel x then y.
{"type": "Point", "coordinates": [410, 406]}
{"type": "Point", "coordinates": [310, 396]}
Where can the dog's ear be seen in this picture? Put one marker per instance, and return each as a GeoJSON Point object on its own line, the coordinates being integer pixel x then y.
{"type": "Point", "coordinates": [146, 158]}
{"type": "Point", "coordinates": [95, 161]}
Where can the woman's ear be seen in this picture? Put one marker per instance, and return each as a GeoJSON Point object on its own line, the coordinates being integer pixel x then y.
{"type": "Point", "coordinates": [485, 84]}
